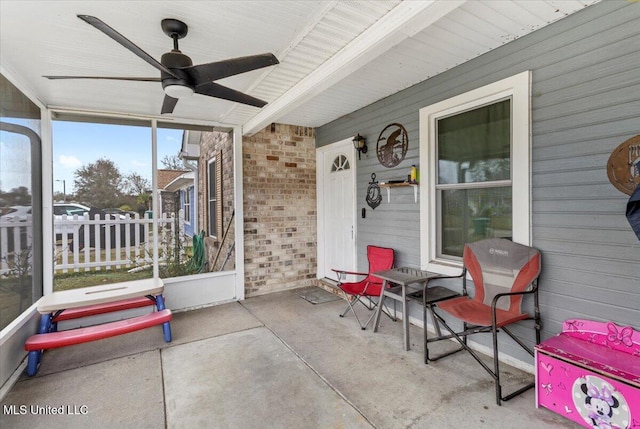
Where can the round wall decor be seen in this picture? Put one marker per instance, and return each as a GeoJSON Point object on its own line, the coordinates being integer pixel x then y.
{"type": "Point", "coordinates": [623, 167]}
{"type": "Point", "coordinates": [392, 145]}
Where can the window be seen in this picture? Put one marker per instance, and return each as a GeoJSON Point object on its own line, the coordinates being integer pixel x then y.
{"type": "Point", "coordinates": [20, 203]}
{"type": "Point", "coordinates": [214, 207]}
{"type": "Point", "coordinates": [187, 204]}
{"type": "Point", "coordinates": [476, 146]}
{"type": "Point", "coordinates": [340, 163]}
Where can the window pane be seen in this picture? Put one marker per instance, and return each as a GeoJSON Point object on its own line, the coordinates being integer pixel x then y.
{"type": "Point", "coordinates": [102, 204]}
{"type": "Point", "coordinates": [469, 215]}
{"type": "Point", "coordinates": [475, 146]}
{"type": "Point", "coordinates": [20, 203]}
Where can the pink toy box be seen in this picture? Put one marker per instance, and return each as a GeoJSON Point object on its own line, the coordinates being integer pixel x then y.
{"type": "Point", "coordinates": [590, 373]}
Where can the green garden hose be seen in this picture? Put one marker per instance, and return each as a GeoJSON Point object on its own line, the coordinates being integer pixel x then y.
{"type": "Point", "coordinates": [198, 260]}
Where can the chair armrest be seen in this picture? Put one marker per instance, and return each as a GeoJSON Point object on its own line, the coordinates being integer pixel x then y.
{"type": "Point", "coordinates": [343, 272]}
{"type": "Point", "coordinates": [500, 295]}
{"type": "Point", "coordinates": [533, 290]}
{"type": "Point", "coordinates": [462, 274]}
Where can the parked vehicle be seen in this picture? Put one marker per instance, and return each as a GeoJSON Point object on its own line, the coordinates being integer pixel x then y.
{"type": "Point", "coordinates": [114, 224]}
{"type": "Point", "coordinates": [69, 209]}
{"type": "Point", "coordinates": [16, 214]}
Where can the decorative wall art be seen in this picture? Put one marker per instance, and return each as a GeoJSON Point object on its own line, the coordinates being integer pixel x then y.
{"type": "Point", "coordinates": [374, 197]}
{"type": "Point", "coordinates": [623, 167]}
{"type": "Point", "coordinates": [392, 145]}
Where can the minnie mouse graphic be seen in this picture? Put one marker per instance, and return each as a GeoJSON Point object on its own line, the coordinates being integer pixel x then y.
{"type": "Point", "coordinates": [600, 404]}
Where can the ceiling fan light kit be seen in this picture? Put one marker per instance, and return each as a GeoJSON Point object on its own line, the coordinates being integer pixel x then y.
{"type": "Point", "coordinates": [178, 91]}
{"type": "Point", "coordinates": [179, 77]}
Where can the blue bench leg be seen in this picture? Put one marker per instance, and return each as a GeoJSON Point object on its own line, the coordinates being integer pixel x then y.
{"type": "Point", "coordinates": [34, 357]}
{"type": "Point", "coordinates": [166, 327]}
{"type": "Point", "coordinates": [45, 324]}
{"type": "Point", "coordinates": [33, 362]}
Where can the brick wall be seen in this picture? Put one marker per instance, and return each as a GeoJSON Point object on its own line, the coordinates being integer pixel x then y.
{"type": "Point", "coordinates": [218, 144]}
{"type": "Point", "coordinates": [279, 208]}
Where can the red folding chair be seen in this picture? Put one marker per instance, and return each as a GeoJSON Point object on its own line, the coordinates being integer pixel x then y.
{"type": "Point", "coordinates": [502, 272]}
{"type": "Point", "coordinates": [380, 259]}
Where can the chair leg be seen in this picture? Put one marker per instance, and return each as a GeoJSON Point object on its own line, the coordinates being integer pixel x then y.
{"type": "Point", "coordinates": [496, 365]}
{"type": "Point", "coordinates": [346, 310]}
{"type": "Point", "coordinates": [350, 307]}
{"type": "Point", "coordinates": [372, 306]}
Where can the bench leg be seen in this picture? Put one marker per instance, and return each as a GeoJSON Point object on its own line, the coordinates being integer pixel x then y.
{"type": "Point", "coordinates": [166, 327]}
{"type": "Point", "coordinates": [33, 362]}
{"type": "Point", "coordinates": [45, 324]}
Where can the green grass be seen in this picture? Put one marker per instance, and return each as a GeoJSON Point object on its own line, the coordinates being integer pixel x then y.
{"type": "Point", "coordinates": [68, 281]}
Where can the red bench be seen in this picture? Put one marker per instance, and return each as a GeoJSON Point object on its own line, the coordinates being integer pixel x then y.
{"type": "Point", "coordinates": [91, 301]}
{"type": "Point", "coordinates": [39, 342]}
{"type": "Point", "coordinates": [93, 310]}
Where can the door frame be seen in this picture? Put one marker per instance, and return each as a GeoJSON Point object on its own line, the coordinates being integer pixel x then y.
{"type": "Point", "coordinates": [346, 146]}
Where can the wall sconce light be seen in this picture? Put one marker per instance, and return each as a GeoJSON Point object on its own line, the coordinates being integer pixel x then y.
{"type": "Point", "coordinates": [360, 144]}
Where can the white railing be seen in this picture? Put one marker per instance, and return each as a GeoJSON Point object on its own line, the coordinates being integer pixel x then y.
{"type": "Point", "coordinates": [96, 244]}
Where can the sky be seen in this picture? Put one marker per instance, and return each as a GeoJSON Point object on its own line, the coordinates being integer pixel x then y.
{"type": "Point", "coordinates": [77, 144]}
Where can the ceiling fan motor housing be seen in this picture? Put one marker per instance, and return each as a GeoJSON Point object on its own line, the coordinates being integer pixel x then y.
{"type": "Point", "coordinates": [176, 60]}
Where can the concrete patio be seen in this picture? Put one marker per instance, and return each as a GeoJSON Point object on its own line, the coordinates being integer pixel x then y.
{"type": "Point", "coordinates": [274, 361]}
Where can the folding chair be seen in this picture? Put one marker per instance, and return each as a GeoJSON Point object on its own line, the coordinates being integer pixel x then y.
{"type": "Point", "coordinates": [502, 272]}
{"type": "Point", "coordinates": [380, 259]}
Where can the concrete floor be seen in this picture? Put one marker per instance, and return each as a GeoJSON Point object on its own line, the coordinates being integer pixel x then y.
{"type": "Point", "coordinates": [275, 361]}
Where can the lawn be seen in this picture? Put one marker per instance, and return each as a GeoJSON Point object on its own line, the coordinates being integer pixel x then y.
{"type": "Point", "coordinates": [93, 278]}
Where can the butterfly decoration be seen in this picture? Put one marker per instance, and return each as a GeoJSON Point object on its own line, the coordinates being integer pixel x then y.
{"type": "Point", "coordinates": [562, 386]}
{"type": "Point", "coordinates": [620, 337]}
{"type": "Point", "coordinates": [567, 409]}
{"type": "Point", "coordinates": [548, 388]}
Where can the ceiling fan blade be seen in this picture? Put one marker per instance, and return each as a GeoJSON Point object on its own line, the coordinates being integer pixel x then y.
{"type": "Point", "coordinates": [97, 23]}
{"type": "Point", "coordinates": [218, 91]}
{"type": "Point", "coordinates": [168, 104]}
{"type": "Point", "coordinates": [137, 79]}
{"type": "Point", "coordinates": [209, 72]}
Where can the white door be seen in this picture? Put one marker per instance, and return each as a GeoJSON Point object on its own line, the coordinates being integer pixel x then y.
{"type": "Point", "coordinates": [336, 209]}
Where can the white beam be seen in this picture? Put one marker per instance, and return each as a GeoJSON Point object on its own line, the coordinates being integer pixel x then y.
{"type": "Point", "coordinates": [402, 22]}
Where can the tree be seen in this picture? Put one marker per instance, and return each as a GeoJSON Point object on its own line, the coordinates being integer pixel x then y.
{"type": "Point", "coordinates": [19, 196]}
{"type": "Point", "coordinates": [135, 184]}
{"type": "Point", "coordinates": [172, 162]}
{"type": "Point", "coordinates": [99, 184]}
{"type": "Point", "coordinates": [139, 189]}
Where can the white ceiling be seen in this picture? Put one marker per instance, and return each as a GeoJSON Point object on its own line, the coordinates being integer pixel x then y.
{"type": "Point", "coordinates": [335, 56]}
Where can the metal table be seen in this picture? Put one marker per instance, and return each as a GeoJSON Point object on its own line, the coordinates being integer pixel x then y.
{"type": "Point", "coordinates": [412, 284]}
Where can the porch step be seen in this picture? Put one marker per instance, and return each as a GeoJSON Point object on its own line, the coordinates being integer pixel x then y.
{"type": "Point", "coordinates": [330, 286]}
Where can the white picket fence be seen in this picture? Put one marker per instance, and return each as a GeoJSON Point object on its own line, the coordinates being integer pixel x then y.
{"type": "Point", "coordinates": [92, 244]}
{"type": "Point", "coordinates": [15, 237]}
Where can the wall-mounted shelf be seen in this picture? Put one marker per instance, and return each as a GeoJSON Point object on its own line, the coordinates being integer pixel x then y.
{"type": "Point", "coordinates": [388, 187]}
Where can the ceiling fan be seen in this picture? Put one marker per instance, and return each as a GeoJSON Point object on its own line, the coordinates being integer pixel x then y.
{"type": "Point", "coordinates": [179, 77]}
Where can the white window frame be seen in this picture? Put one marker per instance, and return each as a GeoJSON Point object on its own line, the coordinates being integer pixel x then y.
{"type": "Point", "coordinates": [518, 88]}
{"type": "Point", "coordinates": [186, 205]}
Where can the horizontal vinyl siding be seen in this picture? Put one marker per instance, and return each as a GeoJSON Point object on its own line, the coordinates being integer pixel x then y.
{"type": "Point", "coordinates": [585, 102]}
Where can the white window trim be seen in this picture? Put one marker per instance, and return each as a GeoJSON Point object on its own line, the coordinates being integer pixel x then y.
{"type": "Point", "coordinates": [187, 203]}
{"type": "Point", "coordinates": [518, 88]}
